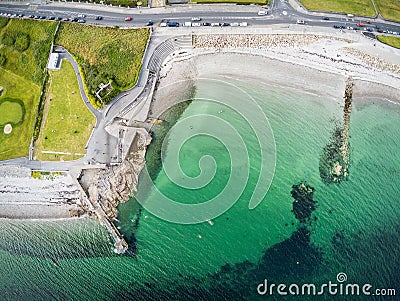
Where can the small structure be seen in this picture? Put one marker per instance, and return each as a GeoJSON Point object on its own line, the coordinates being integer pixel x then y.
{"type": "Point", "coordinates": [103, 90]}
{"type": "Point", "coordinates": [53, 64]}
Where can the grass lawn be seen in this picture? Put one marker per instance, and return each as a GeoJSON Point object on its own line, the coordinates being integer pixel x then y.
{"type": "Point", "coordinates": [232, 1]}
{"type": "Point", "coordinates": [389, 9]}
{"type": "Point", "coordinates": [67, 122]}
{"type": "Point", "coordinates": [31, 62]}
{"type": "Point", "coordinates": [13, 112]}
{"type": "Point", "coordinates": [356, 7]}
{"type": "Point", "coordinates": [24, 48]}
{"type": "Point", "coordinates": [105, 54]}
{"type": "Point", "coordinates": [17, 143]}
{"type": "Point", "coordinates": [392, 41]}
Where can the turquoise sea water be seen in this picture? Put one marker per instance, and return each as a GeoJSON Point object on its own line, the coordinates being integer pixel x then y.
{"type": "Point", "coordinates": [354, 230]}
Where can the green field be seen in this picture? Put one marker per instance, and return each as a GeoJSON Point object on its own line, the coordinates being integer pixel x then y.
{"type": "Point", "coordinates": [356, 7]}
{"type": "Point", "coordinates": [389, 9]}
{"type": "Point", "coordinates": [14, 111]}
{"type": "Point", "coordinates": [392, 41]}
{"type": "Point", "coordinates": [17, 143]}
{"type": "Point", "coordinates": [105, 55]}
{"type": "Point", "coordinates": [24, 48]}
{"type": "Point", "coordinates": [67, 122]}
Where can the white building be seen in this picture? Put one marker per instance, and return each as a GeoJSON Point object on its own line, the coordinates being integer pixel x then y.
{"type": "Point", "coordinates": [52, 64]}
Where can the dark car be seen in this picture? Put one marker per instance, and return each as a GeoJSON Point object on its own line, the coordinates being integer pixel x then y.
{"type": "Point", "coordinates": [51, 18]}
{"type": "Point", "coordinates": [42, 17]}
{"type": "Point", "coordinates": [172, 24]}
{"type": "Point", "coordinates": [325, 18]}
{"type": "Point", "coordinates": [74, 20]}
{"type": "Point", "coordinates": [206, 24]}
{"type": "Point", "coordinates": [99, 18]}
{"type": "Point", "coordinates": [336, 26]}
{"type": "Point", "coordinates": [150, 23]}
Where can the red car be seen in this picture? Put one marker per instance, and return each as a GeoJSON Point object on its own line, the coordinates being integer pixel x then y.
{"type": "Point", "coordinates": [360, 25]}
{"type": "Point", "coordinates": [368, 21]}
{"type": "Point", "coordinates": [128, 19]}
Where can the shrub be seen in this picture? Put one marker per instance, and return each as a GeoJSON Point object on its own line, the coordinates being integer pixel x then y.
{"type": "Point", "coordinates": [22, 42]}
{"type": "Point", "coordinates": [3, 22]}
{"type": "Point", "coordinates": [3, 60]}
{"type": "Point", "coordinates": [8, 39]}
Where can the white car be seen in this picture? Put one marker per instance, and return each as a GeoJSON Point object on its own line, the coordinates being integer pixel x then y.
{"type": "Point", "coordinates": [235, 24]}
{"type": "Point", "coordinates": [301, 22]}
{"type": "Point", "coordinates": [244, 24]}
{"type": "Point", "coordinates": [214, 24]}
{"type": "Point", "coordinates": [196, 24]}
{"type": "Point", "coordinates": [262, 13]}
{"type": "Point", "coordinates": [196, 19]}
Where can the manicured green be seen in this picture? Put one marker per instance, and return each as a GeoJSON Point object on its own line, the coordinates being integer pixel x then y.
{"type": "Point", "coordinates": [17, 143]}
{"type": "Point", "coordinates": [105, 55]}
{"type": "Point", "coordinates": [13, 111]}
{"type": "Point", "coordinates": [389, 9]}
{"type": "Point", "coordinates": [67, 122]}
{"type": "Point", "coordinates": [356, 7]}
{"type": "Point", "coordinates": [392, 41]}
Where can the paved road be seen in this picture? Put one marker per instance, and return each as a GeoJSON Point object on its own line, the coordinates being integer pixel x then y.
{"type": "Point", "coordinates": [282, 11]}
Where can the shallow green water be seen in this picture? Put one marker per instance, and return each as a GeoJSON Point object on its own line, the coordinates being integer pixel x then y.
{"type": "Point", "coordinates": [174, 261]}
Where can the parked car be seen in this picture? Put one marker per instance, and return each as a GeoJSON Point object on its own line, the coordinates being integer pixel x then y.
{"type": "Point", "coordinates": [196, 19]}
{"type": "Point", "coordinates": [81, 16]}
{"type": "Point", "coordinates": [99, 18]}
{"type": "Point", "coordinates": [360, 24]}
{"type": "Point", "coordinates": [128, 19]}
{"type": "Point", "coordinates": [81, 21]}
{"type": "Point", "coordinates": [150, 23]}
{"type": "Point", "coordinates": [262, 13]}
{"type": "Point", "coordinates": [206, 24]}
{"type": "Point", "coordinates": [325, 18]}
{"type": "Point", "coordinates": [301, 22]}
{"type": "Point", "coordinates": [172, 24]}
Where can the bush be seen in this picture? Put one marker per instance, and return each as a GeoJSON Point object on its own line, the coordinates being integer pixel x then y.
{"type": "Point", "coordinates": [3, 22]}
{"type": "Point", "coordinates": [3, 60]}
{"type": "Point", "coordinates": [22, 42]}
{"type": "Point", "coordinates": [8, 39]}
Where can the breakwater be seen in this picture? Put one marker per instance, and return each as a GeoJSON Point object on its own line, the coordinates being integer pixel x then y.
{"type": "Point", "coordinates": [335, 158]}
{"type": "Point", "coordinates": [106, 188]}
